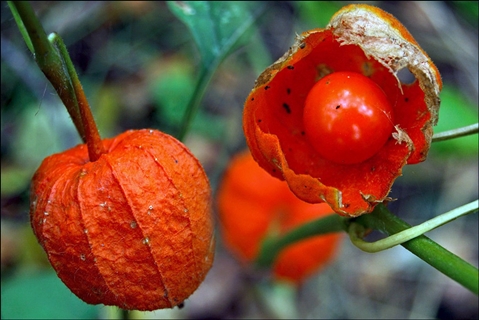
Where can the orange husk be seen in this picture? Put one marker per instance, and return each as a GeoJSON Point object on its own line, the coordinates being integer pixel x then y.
{"type": "Point", "coordinates": [132, 229]}
{"type": "Point", "coordinates": [362, 39]}
{"type": "Point", "coordinates": [253, 204]}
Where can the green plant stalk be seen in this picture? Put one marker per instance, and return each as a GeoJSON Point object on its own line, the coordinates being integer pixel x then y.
{"type": "Point", "coordinates": [456, 133]}
{"type": "Point", "coordinates": [206, 73]}
{"type": "Point", "coordinates": [21, 26]}
{"type": "Point", "coordinates": [53, 59]}
{"type": "Point", "coordinates": [272, 246]}
{"type": "Point", "coordinates": [208, 69]}
{"type": "Point", "coordinates": [357, 231]}
{"type": "Point", "coordinates": [432, 253]}
{"type": "Point", "coordinates": [93, 139]}
{"type": "Point", "coordinates": [48, 59]}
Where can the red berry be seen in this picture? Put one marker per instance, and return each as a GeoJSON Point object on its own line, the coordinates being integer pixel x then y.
{"type": "Point", "coordinates": [347, 117]}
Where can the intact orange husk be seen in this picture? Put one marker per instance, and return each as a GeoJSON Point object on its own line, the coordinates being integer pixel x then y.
{"type": "Point", "coordinates": [132, 229]}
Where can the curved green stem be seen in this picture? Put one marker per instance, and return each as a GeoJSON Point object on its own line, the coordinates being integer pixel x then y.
{"type": "Point", "coordinates": [272, 246]}
{"type": "Point", "coordinates": [53, 59]}
{"type": "Point", "coordinates": [209, 65]}
{"type": "Point", "coordinates": [48, 59]}
{"type": "Point", "coordinates": [93, 140]}
{"type": "Point", "coordinates": [206, 73]}
{"type": "Point", "coordinates": [456, 133]}
{"type": "Point", "coordinates": [357, 231]}
{"type": "Point", "coordinates": [432, 253]}
{"type": "Point", "coordinates": [21, 26]}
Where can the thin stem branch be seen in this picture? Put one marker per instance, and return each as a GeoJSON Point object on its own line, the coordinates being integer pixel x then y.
{"type": "Point", "coordinates": [357, 231]}
{"type": "Point", "coordinates": [432, 253]}
{"type": "Point", "coordinates": [21, 26]}
{"type": "Point", "coordinates": [93, 139]}
{"type": "Point", "coordinates": [206, 73]}
{"type": "Point", "coordinates": [272, 246]}
{"type": "Point", "coordinates": [208, 69]}
{"type": "Point", "coordinates": [37, 35]}
{"type": "Point", "coordinates": [456, 133]}
{"type": "Point", "coordinates": [53, 59]}
{"type": "Point", "coordinates": [48, 59]}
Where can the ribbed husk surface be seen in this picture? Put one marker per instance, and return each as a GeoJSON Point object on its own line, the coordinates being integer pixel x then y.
{"type": "Point", "coordinates": [132, 229]}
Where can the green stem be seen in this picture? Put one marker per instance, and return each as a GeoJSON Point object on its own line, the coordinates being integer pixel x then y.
{"type": "Point", "coordinates": [48, 59]}
{"type": "Point", "coordinates": [209, 66]}
{"type": "Point", "coordinates": [432, 253]}
{"type": "Point", "coordinates": [456, 133]}
{"type": "Point", "coordinates": [21, 26]}
{"type": "Point", "coordinates": [53, 59]}
{"type": "Point", "coordinates": [93, 139]}
{"type": "Point", "coordinates": [357, 231]}
{"type": "Point", "coordinates": [206, 73]}
{"type": "Point", "coordinates": [272, 246]}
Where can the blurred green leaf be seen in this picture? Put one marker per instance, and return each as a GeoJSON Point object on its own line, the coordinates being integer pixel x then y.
{"type": "Point", "coordinates": [279, 298]}
{"type": "Point", "coordinates": [456, 111]}
{"type": "Point", "coordinates": [171, 94]}
{"type": "Point", "coordinates": [171, 91]}
{"type": "Point", "coordinates": [216, 26]}
{"type": "Point", "coordinates": [14, 180]}
{"type": "Point", "coordinates": [258, 54]}
{"type": "Point", "coordinates": [316, 14]}
{"type": "Point", "coordinates": [469, 10]}
{"type": "Point", "coordinates": [42, 296]}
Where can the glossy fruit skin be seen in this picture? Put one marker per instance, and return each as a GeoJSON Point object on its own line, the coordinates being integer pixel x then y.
{"type": "Point", "coordinates": [132, 229]}
{"type": "Point", "coordinates": [347, 117]}
{"type": "Point", "coordinates": [359, 38]}
{"type": "Point", "coordinates": [252, 203]}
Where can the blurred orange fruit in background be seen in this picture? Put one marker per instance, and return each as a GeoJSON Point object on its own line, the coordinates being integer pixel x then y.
{"type": "Point", "coordinates": [253, 204]}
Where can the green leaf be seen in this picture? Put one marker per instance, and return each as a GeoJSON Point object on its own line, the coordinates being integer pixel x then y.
{"type": "Point", "coordinates": [455, 112]}
{"type": "Point", "coordinates": [216, 26]}
{"type": "Point", "coordinates": [42, 296]}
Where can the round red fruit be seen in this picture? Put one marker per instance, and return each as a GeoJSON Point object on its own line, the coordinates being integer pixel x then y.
{"type": "Point", "coordinates": [347, 117]}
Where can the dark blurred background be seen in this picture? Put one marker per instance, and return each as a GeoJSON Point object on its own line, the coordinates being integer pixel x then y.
{"type": "Point", "coordinates": [138, 64]}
